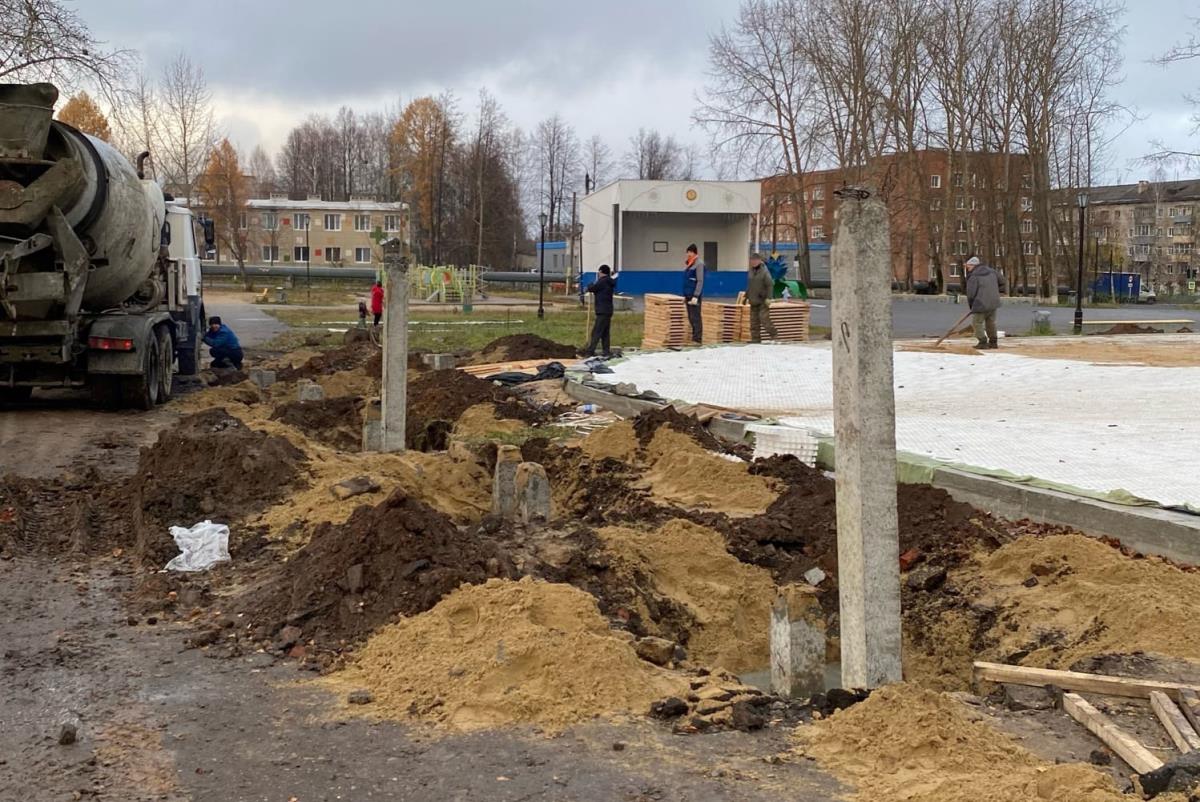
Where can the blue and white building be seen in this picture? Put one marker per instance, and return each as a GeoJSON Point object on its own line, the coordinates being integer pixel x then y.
{"type": "Point", "coordinates": [643, 228]}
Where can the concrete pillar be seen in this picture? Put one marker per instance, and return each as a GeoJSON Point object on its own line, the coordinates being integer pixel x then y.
{"type": "Point", "coordinates": [372, 433]}
{"type": "Point", "coordinates": [797, 643]}
{"type": "Point", "coordinates": [440, 361]}
{"type": "Point", "coordinates": [504, 482]}
{"type": "Point", "coordinates": [262, 377]}
{"type": "Point", "coordinates": [864, 417]}
{"type": "Point", "coordinates": [395, 347]}
{"type": "Point", "coordinates": [533, 493]}
{"type": "Point", "coordinates": [308, 390]}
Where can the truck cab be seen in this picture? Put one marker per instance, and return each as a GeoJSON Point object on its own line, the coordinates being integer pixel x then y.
{"type": "Point", "coordinates": [186, 290]}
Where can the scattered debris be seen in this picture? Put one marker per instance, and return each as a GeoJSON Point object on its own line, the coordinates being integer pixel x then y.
{"type": "Point", "coordinates": [357, 486]}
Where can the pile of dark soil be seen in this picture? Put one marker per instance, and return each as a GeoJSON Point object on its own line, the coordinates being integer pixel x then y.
{"type": "Point", "coordinates": [334, 421]}
{"type": "Point", "coordinates": [351, 356]}
{"type": "Point", "coordinates": [437, 398]}
{"type": "Point", "coordinates": [1127, 328]}
{"type": "Point", "coordinates": [210, 466]}
{"type": "Point", "coordinates": [398, 557]}
{"type": "Point", "coordinates": [520, 347]}
{"type": "Point", "coordinates": [648, 423]}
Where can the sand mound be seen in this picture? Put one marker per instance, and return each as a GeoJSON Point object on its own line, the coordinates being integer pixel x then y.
{"type": "Point", "coordinates": [647, 425]}
{"type": "Point", "coordinates": [683, 473]}
{"type": "Point", "coordinates": [481, 420]}
{"type": "Point", "coordinates": [245, 394]}
{"type": "Point", "coordinates": [618, 441]}
{"type": "Point", "coordinates": [337, 422]}
{"type": "Point", "coordinates": [503, 653]}
{"type": "Point", "coordinates": [209, 466]}
{"type": "Point", "coordinates": [1090, 599]}
{"type": "Point", "coordinates": [730, 602]}
{"type": "Point", "coordinates": [906, 743]}
{"type": "Point", "coordinates": [521, 347]}
{"type": "Point", "coordinates": [400, 556]}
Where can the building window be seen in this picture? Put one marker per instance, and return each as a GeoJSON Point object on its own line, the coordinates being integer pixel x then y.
{"type": "Point", "coordinates": [270, 253]}
{"type": "Point", "coordinates": [242, 221]}
{"type": "Point", "coordinates": [817, 232]}
{"type": "Point", "coordinates": [818, 193]}
{"type": "Point", "coordinates": [391, 222]}
{"type": "Point", "coordinates": [362, 222]}
{"type": "Point", "coordinates": [333, 222]}
{"type": "Point", "coordinates": [1027, 247]}
{"type": "Point", "coordinates": [957, 179]}
{"type": "Point", "coordinates": [1027, 180]}
{"type": "Point", "coordinates": [362, 255]}
{"type": "Point", "coordinates": [937, 229]}
{"type": "Point", "coordinates": [1026, 204]}
{"type": "Point", "coordinates": [300, 253]}
{"type": "Point", "coordinates": [333, 254]}
{"type": "Point", "coordinates": [974, 204]}
{"type": "Point", "coordinates": [960, 202]}
{"type": "Point", "coordinates": [300, 221]}
{"type": "Point", "coordinates": [1142, 231]}
{"type": "Point", "coordinates": [935, 204]}
{"type": "Point", "coordinates": [960, 247]}
{"type": "Point", "coordinates": [955, 270]}
{"type": "Point", "coordinates": [270, 221]}
{"type": "Point", "coordinates": [661, 247]}
{"type": "Point", "coordinates": [818, 213]}
{"type": "Point", "coordinates": [961, 226]}
{"type": "Point", "coordinates": [1027, 226]}
{"type": "Point", "coordinates": [935, 181]}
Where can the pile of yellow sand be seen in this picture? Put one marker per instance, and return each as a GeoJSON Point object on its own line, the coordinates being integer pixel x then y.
{"type": "Point", "coordinates": [480, 421]}
{"type": "Point", "coordinates": [1101, 600]}
{"type": "Point", "coordinates": [504, 653]}
{"type": "Point", "coordinates": [905, 743]}
{"type": "Point", "coordinates": [731, 601]}
{"type": "Point", "coordinates": [618, 441]}
{"type": "Point", "coordinates": [241, 394]}
{"type": "Point", "coordinates": [681, 472]}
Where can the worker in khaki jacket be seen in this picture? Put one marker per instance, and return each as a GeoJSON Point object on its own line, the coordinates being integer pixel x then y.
{"type": "Point", "coordinates": [759, 289]}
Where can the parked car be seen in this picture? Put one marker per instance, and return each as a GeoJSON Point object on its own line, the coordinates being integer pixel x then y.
{"type": "Point", "coordinates": [1147, 296]}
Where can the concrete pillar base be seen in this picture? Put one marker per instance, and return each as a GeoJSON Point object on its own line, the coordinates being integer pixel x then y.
{"type": "Point", "coordinates": [797, 643]}
{"type": "Point", "coordinates": [504, 482]}
{"type": "Point", "coordinates": [533, 493]}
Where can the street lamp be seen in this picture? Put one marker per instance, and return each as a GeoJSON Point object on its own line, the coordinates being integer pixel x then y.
{"type": "Point", "coordinates": [1083, 202]}
{"type": "Point", "coordinates": [542, 271]}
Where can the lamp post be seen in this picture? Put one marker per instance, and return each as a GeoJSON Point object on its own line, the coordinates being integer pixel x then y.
{"type": "Point", "coordinates": [1083, 202]}
{"type": "Point", "coordinates": [542, 271]}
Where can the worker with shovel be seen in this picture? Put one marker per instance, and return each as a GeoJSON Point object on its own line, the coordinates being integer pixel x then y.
{"type": "Point", "coordinates": [759, 289]}
{"type": "Point", "coordinates": [602, 288]}
{"type": "Point", "coordinates": [984, 286]}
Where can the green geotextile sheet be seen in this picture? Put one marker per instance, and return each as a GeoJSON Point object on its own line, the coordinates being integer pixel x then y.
{"type": "Point", "coordinates": [919, 469]}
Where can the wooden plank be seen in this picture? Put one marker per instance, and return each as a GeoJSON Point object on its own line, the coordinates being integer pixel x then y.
{"type": "Point", "coordinates": [1075, 680]}
{"type": "Point", "coordinates": [1189, 703]}
{"type": "Point", "coordinates": [1177, 726]}
{"type": "Point", "coordinates": [1125, 745]}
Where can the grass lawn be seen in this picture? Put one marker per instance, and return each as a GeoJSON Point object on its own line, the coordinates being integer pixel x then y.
{"type": "Point", "coordinates": [452, 331]}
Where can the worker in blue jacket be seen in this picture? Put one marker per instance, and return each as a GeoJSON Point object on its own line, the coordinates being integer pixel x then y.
{"type": "Point", "coordinates": [223, 345]}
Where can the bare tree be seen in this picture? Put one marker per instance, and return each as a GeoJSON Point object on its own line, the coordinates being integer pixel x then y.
{"type": "Point", "coordinates": [556, 151]}
{"type": "Point", "coordinates": [262, 170]}
{"type": "Point", "coordinates": [1187, 50]}
{"type": "Point", "coordinates": [186, 125]}
{"type": "Point", "coordinates": [654, 157]}
{"type": "Point", "coordinates": [135, 119]}
{"type": "Point", "coordinates": [597, 161]}
{"type": "Point", "coordinates": [44, 40]}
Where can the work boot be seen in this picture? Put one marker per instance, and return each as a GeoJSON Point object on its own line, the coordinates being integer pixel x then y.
{"type": "Point", "coordinates": [982, 344]}
{"type": "Point", "coordinates": [993, 344]}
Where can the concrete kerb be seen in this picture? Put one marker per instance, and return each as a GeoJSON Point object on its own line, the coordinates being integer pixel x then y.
{"type": "Point", "coordinates": [1149, 530]}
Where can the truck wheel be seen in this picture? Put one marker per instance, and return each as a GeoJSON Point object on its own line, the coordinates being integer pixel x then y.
{"type": "Point", "coordinates": [166, 353]}
{"type": "Point", "coordinates": [189, 357]}
{"type": "Point", "coordinates": [141, 392]}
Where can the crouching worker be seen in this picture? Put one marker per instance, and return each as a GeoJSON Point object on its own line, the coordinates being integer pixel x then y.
{"type": "Point", "coordinates": [223, 345]}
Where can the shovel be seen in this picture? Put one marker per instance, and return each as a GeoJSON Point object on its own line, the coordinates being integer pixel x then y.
{"type": "Point", "coordinates": [953, 328]}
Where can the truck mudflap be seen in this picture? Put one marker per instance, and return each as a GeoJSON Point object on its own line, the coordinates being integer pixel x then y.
{"type": "Point", "coordinates": [136, 328]}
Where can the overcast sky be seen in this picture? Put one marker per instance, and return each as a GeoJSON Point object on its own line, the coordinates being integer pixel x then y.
{"type": "Point", "coordinates": [608, 68]}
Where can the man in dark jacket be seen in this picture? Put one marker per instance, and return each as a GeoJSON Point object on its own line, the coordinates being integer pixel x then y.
{"type": "Point", "coordinates": [693, 289]}
{"type": "Point", "coordinates": [984, 286]}
{"type": "Point", "coordinates": [603, 288]}
{"type": "Point", "coordinates": [759, 289]}
{"type": "Point", "coordinates": [223, 345]}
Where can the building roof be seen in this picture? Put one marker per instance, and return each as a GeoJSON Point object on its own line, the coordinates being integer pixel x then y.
{"type": "Point", "coordinates": [325, 206]}
{"type": "Point", "coordinates": [1146, 192]}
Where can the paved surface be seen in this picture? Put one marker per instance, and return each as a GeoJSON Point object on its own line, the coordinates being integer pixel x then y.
{"type": "Point", "coordinates": [921, 318]}
{"type": "Point", "coordinates": [252, 325]}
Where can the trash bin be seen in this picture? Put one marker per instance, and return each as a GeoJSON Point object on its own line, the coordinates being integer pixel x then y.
{"type": "Point", "coordinates": [280, 295]}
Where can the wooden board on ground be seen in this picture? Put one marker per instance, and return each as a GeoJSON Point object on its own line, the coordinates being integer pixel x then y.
{"type": "Point", "coordinates": [1125, 745]}
{"type": "Point", "coordinates": [1075, 680]}
{"type": "Point", "coordinates": [1177, 726]}
{"type": "Point", "coordinates": [1189, 703]}
{"type": "Point", "coordinates": [722, 322]}
{"type": "Point", "coordinates": [523, 366]}
{"type": "Point", "coordinates": [790, 319]}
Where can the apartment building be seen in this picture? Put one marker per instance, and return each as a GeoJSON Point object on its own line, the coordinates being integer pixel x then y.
{"type": "Point", "coordinates": [313, 231]}
{"type": "Point", "coordinates": [1147, 228]}
{"type": "Point", "coordinates": [942, 207]}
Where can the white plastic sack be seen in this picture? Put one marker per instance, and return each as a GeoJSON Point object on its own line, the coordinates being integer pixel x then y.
{"type": "Point", "coordinates": [202, 546]}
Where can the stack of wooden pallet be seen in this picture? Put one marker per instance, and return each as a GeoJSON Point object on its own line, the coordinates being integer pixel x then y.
{"type": "Point", "coordinates": [722, 322]}
{"type": "Point", "coordinates": [666, 323]}
{"type": "Point", "coordinates": [790, 319]}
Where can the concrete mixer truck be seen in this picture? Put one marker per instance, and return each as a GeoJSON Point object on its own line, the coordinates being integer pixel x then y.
{"type": "Point", "coordinates": [99, 271]}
